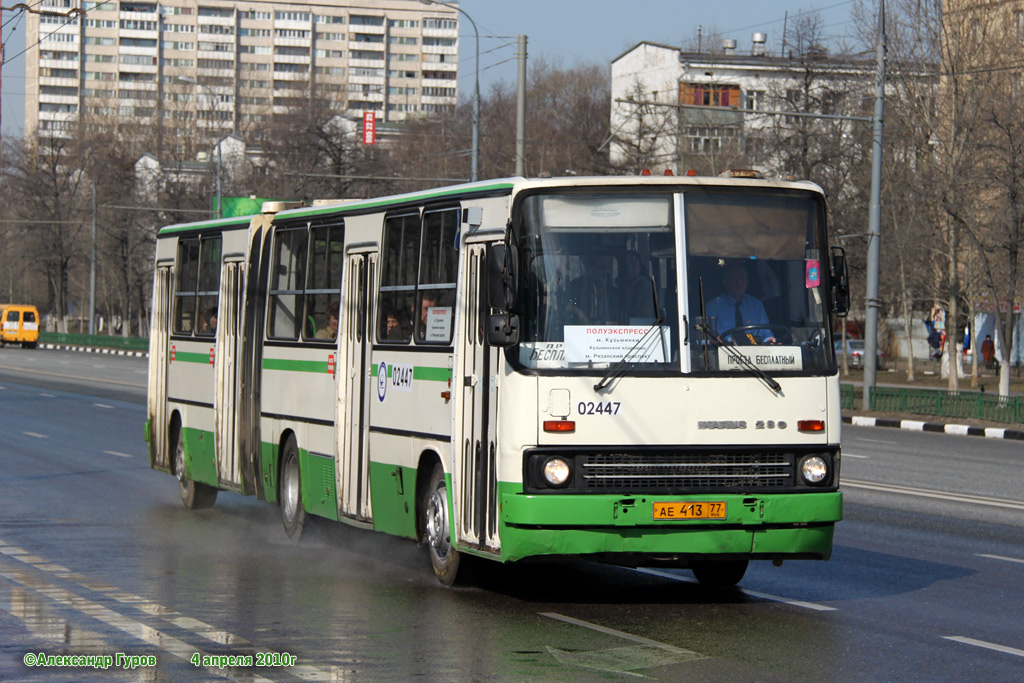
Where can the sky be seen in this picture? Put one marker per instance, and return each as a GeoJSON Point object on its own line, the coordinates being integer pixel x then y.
{"type": "Point", "coordinates": [562, 32]}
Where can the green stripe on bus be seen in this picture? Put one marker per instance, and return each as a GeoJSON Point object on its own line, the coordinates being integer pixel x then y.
{"type": "Point", "coordinates": [203, 225]}
{"type": "Point", "coordinates": [296, 365]}
{"type": "Point", "coordinates": [427, 374]}
{"type": "Point", "coordinates": [186, 357]}
{"type": "Point", "coordinates": [402, 199]}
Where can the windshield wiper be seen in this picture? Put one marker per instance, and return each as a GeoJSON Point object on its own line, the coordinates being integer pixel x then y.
{"type": "Point", "coordinates": [619, 367]}
{"type": "Point", "coordinates": [730, 348]}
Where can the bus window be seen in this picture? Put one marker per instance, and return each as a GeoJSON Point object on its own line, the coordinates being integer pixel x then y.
{"type": "Point", "coordinates": [209, 285]}
{"type": "Point", "coordinates": [286, 281]}
{"type": "Point", "coordinates": [323, 283]}
{"type": "Point", "coordinates": [438, 263]}
{"type": "Point", "coordinates": [398, 278]}
{"type": "Point", "coordinates": [185, 291]}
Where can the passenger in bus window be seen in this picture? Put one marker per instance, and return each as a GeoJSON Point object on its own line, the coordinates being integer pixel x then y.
{"type": "Point", "coordinates": [393, 328]}
{"type": "Point", "coordinates": [208, 321]}
{"type": "Point", "coordinates": [590, 295]}
{"type": "Point", "coordinates": [634, 289]}
{"type": "Point", "coordinates": [331, 330]}
{"type": "Point", "coordinates": [735, 309]}
{"type": "Point", "coordinates": [426, 303]}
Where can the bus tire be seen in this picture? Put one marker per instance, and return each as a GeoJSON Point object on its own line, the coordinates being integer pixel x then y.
{"type": "Point", "coordinates": [194, 495]}
{"type": "Point", "coordinates": [293, 514]}
{"type": "Point", "coordinates": [719, 573]}
{"type": "Point", "coordinates": [435, 514]}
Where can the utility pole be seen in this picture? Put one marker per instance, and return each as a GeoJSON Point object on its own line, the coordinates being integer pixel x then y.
{"type": "Point", "coordinates": [521, 110]}
{"type": "Point", "coordinates": [92, 268]}
{"type": "Point", "coordinates": [874, 218]}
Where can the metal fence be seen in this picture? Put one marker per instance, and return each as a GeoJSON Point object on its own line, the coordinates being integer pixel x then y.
{"type": "Point", "coordinates": [97, 340]}
{"type": "Point", "coordinates": [937, 403]}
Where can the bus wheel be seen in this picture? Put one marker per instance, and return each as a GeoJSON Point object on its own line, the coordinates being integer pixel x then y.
{"type": "Point", "coordinates": [293, 515]}
{"type": "Point", "coordinates": [434, 511]}
{"type": "Point", "coordinates": [194, 495]}
{"type": "Point", "coordinates": [719, 573]}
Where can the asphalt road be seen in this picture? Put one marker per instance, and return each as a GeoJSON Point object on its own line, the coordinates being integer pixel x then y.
{"type": "Point", "coordinates": [98, 557]}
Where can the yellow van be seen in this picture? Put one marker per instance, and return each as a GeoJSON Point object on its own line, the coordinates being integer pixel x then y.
{"type": "Point", "coordinates": [20, 325]}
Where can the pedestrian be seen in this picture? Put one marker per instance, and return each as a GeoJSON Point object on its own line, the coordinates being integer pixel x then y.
{"type": "Point", "coordinates": [988, 351]}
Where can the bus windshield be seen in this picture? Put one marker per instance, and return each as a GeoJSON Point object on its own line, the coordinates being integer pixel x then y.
{"type": "Point", "coordinates": [604, 282]}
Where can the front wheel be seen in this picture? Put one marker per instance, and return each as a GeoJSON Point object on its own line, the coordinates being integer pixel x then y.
{"type": "Point", "coordinates": [293, 515]}
{"type": "Point", "coordinates": [194, 495]}
{"type": "Point", "coordinates": [435, 513]}
{"type": "Point", "coordinates": [719, 573]}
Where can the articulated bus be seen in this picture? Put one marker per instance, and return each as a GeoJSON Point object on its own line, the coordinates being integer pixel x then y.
{"type": "Point", "coordinates": [516, 369]}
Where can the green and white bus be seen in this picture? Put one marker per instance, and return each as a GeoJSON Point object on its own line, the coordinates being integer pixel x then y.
{"type": "Point", "coordinates": [516, 369]}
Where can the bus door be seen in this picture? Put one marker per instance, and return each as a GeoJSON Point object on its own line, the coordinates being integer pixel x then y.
{"type": "Point", "coordinates": [159, 454]}
{"type": "Point", "coordinates": [226, 361]}
{"type": "Point", "coordinates": [474, 445]}
{"type": "Point", "coordinates": [353, 437]}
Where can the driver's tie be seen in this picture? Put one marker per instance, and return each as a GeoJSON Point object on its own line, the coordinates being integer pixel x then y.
{"type": "Point", "coordinates": [739, 314]}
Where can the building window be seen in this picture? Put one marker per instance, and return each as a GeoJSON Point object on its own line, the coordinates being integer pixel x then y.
{"type": "Point", "coordinates": [755, 100]}
{"type": "Point", "coordinates": [450, 24]}
{"type": "Point", "coordinates": [364, 20]}
{"type": "Point", "coordinates": [709, 95]}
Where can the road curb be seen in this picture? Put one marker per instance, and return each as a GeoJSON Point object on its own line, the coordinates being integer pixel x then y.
{"type": "Point", "coordinates": [94, 349]}
{"type": "Point", "coordinates": [939, 427]}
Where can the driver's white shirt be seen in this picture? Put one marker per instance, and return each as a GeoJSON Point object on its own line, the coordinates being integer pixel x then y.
{"type": "Point", "coordinates": [723, 307]}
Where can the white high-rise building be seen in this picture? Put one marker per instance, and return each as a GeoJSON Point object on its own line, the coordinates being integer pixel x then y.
{"type": "Point", "coordinates": [220, 66]}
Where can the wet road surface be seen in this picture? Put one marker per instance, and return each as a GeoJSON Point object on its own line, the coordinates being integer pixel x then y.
{"type": "Point", "coordinates": [99, 558]}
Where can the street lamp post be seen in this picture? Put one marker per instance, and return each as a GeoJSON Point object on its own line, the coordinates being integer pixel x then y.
{"type": "Point", "coordinates": [197, 84]}
{"type": "Point", "coordinates": [475, 169]}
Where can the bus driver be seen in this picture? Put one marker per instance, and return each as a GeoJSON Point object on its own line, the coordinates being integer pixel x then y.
{"type": "Point", "coordinates": [734, 308]}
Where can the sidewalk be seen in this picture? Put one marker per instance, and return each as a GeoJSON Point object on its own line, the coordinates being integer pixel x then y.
{"type": "Point", "coordinates": [93, 349]}
{"type": "Point", "coordinates": [941, 427]}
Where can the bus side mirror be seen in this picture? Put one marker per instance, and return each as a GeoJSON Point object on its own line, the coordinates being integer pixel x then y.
{"type": "Point", "coordinates": [501, 277]}
{"type": "Point", "coordinates": [840, 283]}
{"type": "Point", "coordinates": [503, 329]}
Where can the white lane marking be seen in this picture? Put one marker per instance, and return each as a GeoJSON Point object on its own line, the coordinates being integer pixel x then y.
{"type": "Point", "coordinates": [855, 455]}
{"type": "Point", "coordinates": [754, 594]}
{"type": "Point", "coordinates": [304, 671]}
{"type": "Point", "coordinates": [618, 634]}
{"type": "Point", "coordinates": [48, 395]}
{"type": "Point", "coordinates": [120, 455]}
{"type": "Point", "coordinates": [38, 436]}
{"type": "Point", "coordinates": [1000, 557]}
{"type": "Point", "coordinates": [136, 629]}
{"type": "Point", "coordinates": [103, 405]}
{"type": "Point", "coordinates": [988, 646]}
{"type": "Point", "coordinates": [929, 493]}
{"type": "Point", "coordinates": [891, 443]}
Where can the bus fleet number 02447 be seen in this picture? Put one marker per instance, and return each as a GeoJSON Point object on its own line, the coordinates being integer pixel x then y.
{"type": "Point", "coordinates": [598, 407]}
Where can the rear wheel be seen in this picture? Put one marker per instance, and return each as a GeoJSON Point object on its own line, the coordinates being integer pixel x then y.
{"type": "Point", "coordinates": [194, 495]}
{"type": "Point", "coordinates": [293, 515]}
{"type": "Point", "coordinates": [435, 514]}
{"type": "Point", "coordinates": [719, 573]}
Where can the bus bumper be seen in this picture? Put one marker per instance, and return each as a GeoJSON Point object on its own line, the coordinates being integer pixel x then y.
{"type": "Point", "coordinates": [766, 526]}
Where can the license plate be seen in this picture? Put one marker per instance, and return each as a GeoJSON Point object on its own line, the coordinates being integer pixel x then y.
{"type": "Point", "coordinates": [690, 510]}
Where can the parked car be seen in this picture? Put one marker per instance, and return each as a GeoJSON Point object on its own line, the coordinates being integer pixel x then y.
{"type": "Point", "coordinates": [855, 348]}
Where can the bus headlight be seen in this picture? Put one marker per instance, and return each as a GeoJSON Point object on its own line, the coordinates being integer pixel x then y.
{"type": "Point", "coordinates": [556, 471]}
{"type": "Point", "coordinates": [814, 469]}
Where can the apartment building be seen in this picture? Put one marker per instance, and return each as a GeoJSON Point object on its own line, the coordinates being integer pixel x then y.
{"type": "Point", "coordinates": [674, 109]}
{"type": "Point", "coordinates": [220, 66]}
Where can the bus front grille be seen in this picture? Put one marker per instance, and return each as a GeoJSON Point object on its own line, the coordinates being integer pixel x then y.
{"type": "Point", "coordinates": [687, 471]}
